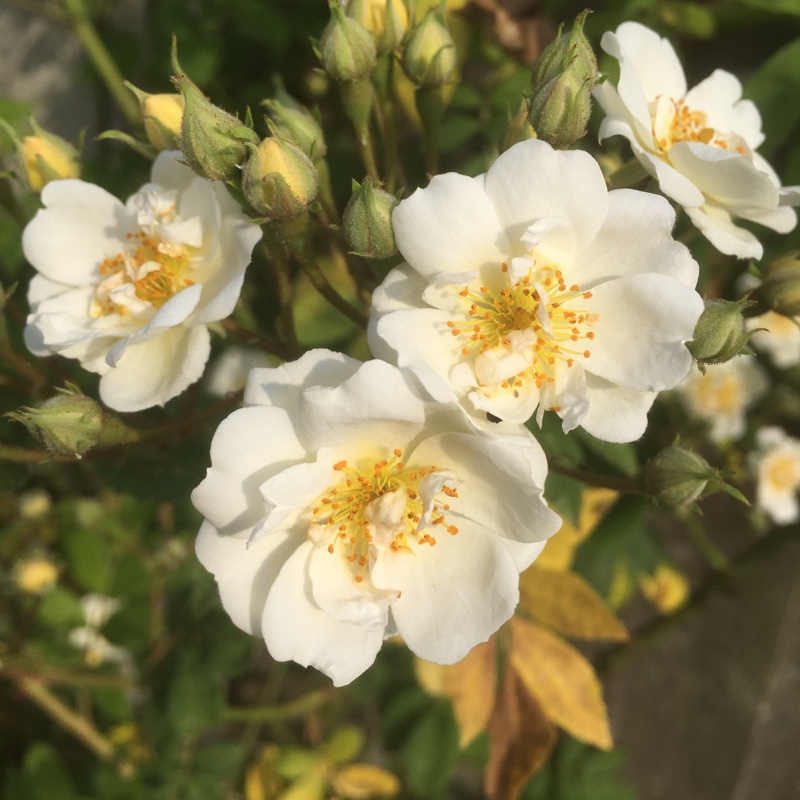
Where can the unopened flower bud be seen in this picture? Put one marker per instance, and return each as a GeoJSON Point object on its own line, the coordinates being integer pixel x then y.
{"type": "Point", "coordinates": [386, 20]}
{"type": "Point", "coordinates": [561, 87]}
{"type": "Point", "coordinates": [346, 48]}
{"type": "Point", "coordinates": [430, 58]}
{"type": "Point", "coordinates": [676, 477]}
{"type": "Point", "coordinates": [294, 122]}
{"type": "Point", "coordinates": [47, 157]}
{"type": "Point", "coordinates": [720, 333]}
{"type": "Point", "coordinates": [780, 289]}
{"type": "Point", "coordinates": [162, 116]}
{"type": "Point", "coordinates": [367, 221]}
{"type": "Point", "coordinates": [280, 180]}
{"type": "Point", "coordinates": [72, 424]}
{"type": "Point", "coordinates": [213, 142]}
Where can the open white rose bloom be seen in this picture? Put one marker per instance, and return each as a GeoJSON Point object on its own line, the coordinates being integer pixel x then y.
{"type": "Point", "coordinates": [777, 468]}
{"type": "Point", "coordinates": [699, 144]}
{"type": "Point", "coordinates": [722, 395]}
{"type": "Point", "coordinates": [129, 289]}
{"type": "Point", "coordinates": [532, 286]}
{"type": "Point", "coordinates": [343, 506]}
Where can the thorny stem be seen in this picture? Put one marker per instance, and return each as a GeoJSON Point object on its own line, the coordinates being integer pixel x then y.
{"type": "Point", "coordinates": [103, 62]}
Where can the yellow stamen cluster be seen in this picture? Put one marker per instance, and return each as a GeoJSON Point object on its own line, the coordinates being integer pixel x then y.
{"type": "Point", "coordinates": [341, 511]}
{"type": "Point", "coordinates": [494, 315]}
{"type": "Point", "coordinates": [165, 276]}
{"type": "Point", "coordinates": [692, 126]}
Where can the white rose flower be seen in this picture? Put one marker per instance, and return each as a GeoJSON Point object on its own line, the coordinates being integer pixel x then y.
{"type": "Point", "coordinates": [699, 145]}
{"type": "Point", "coordinates": [723, 394]}
{"type": "Point", "coordinates": [342, 507]}
{"type": "Point", "coordinates": [97, 610]}
{"type": "Point", "coordinates": [534, 287]}
{"type": "Point", "coordinates": [777, 467]}
{"type": "Point", "coordinates": [129, 289]}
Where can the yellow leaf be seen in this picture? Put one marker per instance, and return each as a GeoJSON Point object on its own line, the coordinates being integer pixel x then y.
{"type": "Point", "coordinates": [567, 603]}
{"type": "Point", "coordinates": [622, 586]}
{"type": "Point", "coordinates": [365, 781]}
{"type": "Point", "coordinates": [562, 680]}
{"type": "Point", "coordinates": [560, 549]}
{"type": "Point", "coordinates": [470, 684]}
{"type": "Point", "coordinates": [261, 781]}
{"type": "Point", "coordinates": [667, 589]}
{"type": "Point", "coordinates": [522, 739]}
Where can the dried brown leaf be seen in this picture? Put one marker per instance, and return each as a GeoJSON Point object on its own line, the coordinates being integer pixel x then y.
{"type": "Point", "coordinates": [567, 603]}
{"type": "Point", "coordinates": [522, 739]}
{"type": "Point", "coordinates": [470, 684]}
{"type": "Point", "coordinates": [562, 680]}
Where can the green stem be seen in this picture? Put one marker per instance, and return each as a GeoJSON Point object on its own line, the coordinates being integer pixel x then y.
{"type": "Point", "coordinates": [253, 338]}
{"type": "Point", "coordinates": [715, 557]}
{"type": "Point", "coordinates": [98, 54]}
{"type": "Point", "coordinates": [624, 485]}
{"type": "Point", "coordinates": [284, 287]}
{"type": "Point", "coordinates": [307, 704]}
{"type": "Point", "coordinates": [296, 236]}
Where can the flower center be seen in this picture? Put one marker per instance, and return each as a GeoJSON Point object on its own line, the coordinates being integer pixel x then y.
{"type": "Point", "coordinates": [149, 270]}
{"type": "Point", "coordinates": [782, 473]}
{"type": "Point", "coordinates": [538, 317]}
{"type": "Point", "coordinates": [379, 507]}
{"type": "Point", "coordinates": [673, 121]}
{"type": "Point", "coordinates": [714, 395]}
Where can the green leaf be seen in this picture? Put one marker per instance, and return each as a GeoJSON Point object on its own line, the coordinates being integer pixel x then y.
{"type": "Point", "coordinates": [774, 89]}
{"type": "Point", "coordinates": [431, 751]}
{"type": "Point", "coordinates": [623, 535]}
{"type": "Point", "coordinates": [564, 494]}
{"type": "Point", "coordinates": [45, 774]}
{"type": "Point", "coordinates": [88, 557]}
{"type": "Point", "coordinates": [195, 696]}
{"type": "Point", "coordinates": [689, 18]}
{"type": "Point", "coordinates": [620, 456]}
{"type": "Point", "coordinates": [774, 6]}
{"type": "Point", "coordinates": [61, 609]}
{"type": "Point", "coordinates": [584, 773]}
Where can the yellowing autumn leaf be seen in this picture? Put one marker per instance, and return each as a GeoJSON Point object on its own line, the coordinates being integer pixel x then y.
{"type": "Point", "coordinates": [522, 739]}
{"type": "Point", "coordinates": [567, 603]}
{"type": "Point", "coordinates": [559, 552]}
{"type": "Point", "coordinates": [364, 782]}
{"type": "Point", "coordinates": [667, 589]}
{"type": "Point", "coordinates": [562, 680]}
{"type": "Point", "coordinates": [470, 685]}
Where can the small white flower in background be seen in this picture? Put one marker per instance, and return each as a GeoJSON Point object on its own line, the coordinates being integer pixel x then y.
{"type": "Point", "coordinates": [342, 507]}
{"type": "Point", "coordinates": [97, 610]}
{"type": "Point", "coordinates": [780, 339]}
{"type": "Point", "coordinates": [228, 373]}
{"type": "Point", "coordinates": [700, 144]}
{"type": "Point", "coordinates": [777, 467]}
{"type": "Point", "coordinates": [723, 394]}
{"type": "Point", "coordinates": [129, 289]}
{"type": "Point", "coordinates": [534, 287]}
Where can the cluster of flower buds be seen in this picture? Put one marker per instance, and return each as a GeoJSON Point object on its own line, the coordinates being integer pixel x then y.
{"type": "Point", "coordinates": [561, 87]}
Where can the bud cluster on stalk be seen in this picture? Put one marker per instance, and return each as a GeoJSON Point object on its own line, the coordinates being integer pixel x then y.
{"type": "Point", "coordinates": [780, 287]}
